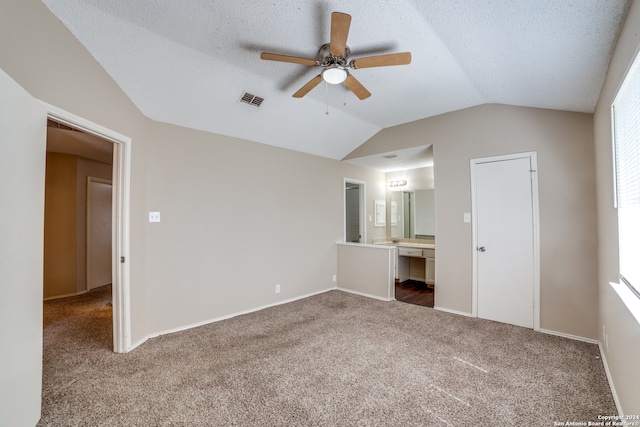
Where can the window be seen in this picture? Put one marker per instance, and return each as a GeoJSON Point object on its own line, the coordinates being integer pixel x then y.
{"type": "Point", "coordinates": [625, 113]}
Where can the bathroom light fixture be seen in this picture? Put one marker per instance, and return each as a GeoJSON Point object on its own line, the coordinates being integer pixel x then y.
{"type": "Point", "coordinates": [398, 183]}
{"type": "Point", "coordinates": [334, 74]}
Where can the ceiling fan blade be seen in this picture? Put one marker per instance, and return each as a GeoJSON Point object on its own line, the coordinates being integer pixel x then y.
{"type": "Point", "coordinates": [403, 58]}
{"type": "Point", "coordinates": [307, 88]}
{"type": "Point", "coordinates": [340, 23]}
{"type": "Point", "coordinates": [356, 87]}
{"type": "Point", "coordinates": [286, 58]}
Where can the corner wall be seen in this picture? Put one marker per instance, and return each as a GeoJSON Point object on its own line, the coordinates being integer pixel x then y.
{"type": "Point", "coordinates": [622, 342]}
{"type": "Point", "coordinates": [564, 143]}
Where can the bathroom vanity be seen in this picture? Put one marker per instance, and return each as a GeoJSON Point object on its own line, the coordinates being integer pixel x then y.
{"type": "Point", "coordinates": [415, 260]}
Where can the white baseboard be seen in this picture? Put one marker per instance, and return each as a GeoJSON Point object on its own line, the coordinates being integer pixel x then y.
{"type": "Point", "coordinates": [65, 296]}
{"type": "Point", "coordinates": [448, 310]}
{"type": "Point", "coordinates": [363, 294]}
{"type": "Point", "coordinates": [602, 356]}
{"type": "Point", "coordinates": [610, 379]}
{"type": "Point", "coordinates": [573, 337]}
{"type": "Point", "coordinates": [228, 316]}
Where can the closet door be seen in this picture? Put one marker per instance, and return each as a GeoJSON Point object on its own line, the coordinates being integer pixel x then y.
{"type": "Point", "coordinates": [505, 262]}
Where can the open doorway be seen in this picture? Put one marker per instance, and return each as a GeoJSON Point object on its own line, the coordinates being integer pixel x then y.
{"type": "Point", "coordinates": [410, 200]}
{"type": "Point", "coordinates": [74, 159]}
{"type": "Point", "coordinates": [354, 231]}
{"type": "Point", "coordinates": [78, 217]}
{"type": "Point", "coordinates": [413, 227]}
{"type": "Point", "coordinates": [103, 154]}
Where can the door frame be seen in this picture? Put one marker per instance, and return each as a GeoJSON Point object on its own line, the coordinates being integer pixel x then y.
{"type": "Point", "coordinates": [120, 219]}
{"type": "Point", "coordinates": [533, 157]}
{"type": "Point", "coordinates": [362, 208]}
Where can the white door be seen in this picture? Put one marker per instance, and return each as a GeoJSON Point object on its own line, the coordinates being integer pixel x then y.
{"type": "Point", "coordinates": [23, 124]}
{"type": "Point", "coordinates": [505, 258]}
{"type": "Point", "coordinates": [99, 234]}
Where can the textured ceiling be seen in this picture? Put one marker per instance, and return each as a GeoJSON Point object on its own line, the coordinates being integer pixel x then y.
{"type": "Point", "coordinates": [70, 141]}
{"type": "Point", "coordinates": [397, 160]}
{"type": "Point", "coordinates": [189, 62]}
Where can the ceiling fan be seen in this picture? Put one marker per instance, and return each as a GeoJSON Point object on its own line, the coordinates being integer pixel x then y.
{"type": "Point", "coordinates": [333, 57]}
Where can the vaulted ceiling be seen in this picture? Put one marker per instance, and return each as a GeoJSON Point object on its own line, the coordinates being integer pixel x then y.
{"type": "Point", "coordinates": [189, 62]}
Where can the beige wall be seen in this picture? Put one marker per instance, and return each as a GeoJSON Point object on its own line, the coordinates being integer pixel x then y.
{"type": "Point", "coordinates": [60, 226]}
{"type": "Point", "coordinates": [237, 216]}
{"type": "Point", "coordinates": [564, 143]}
{"type": "Point", "coordinates": [621, 327]}
{"type": "Point", "coordinates": [367, 270]}
{"type": "Point", "coordinates": [22, 165]}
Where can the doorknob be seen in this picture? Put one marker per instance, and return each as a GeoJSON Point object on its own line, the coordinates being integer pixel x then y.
{"type": "Point", "coordinates": [482, 249]}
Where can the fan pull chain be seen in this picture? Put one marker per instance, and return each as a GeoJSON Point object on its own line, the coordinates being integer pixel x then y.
{"type": "Point", "coordinates": [326, 91]}
{"type": "Point", "coordinates": [344, 94]}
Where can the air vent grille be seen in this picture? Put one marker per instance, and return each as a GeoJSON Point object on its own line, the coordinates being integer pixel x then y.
{"type": "Point", "coordinates": [251, 99]}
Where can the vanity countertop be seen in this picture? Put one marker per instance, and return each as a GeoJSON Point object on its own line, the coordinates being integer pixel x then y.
{"type": "Point", "coordinates": [416, 245]}
{"type": "Point", "coordinates": [407, 244]}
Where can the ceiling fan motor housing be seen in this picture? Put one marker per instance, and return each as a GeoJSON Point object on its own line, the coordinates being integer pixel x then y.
{"type": "Point", "coordinates": [326, 59]}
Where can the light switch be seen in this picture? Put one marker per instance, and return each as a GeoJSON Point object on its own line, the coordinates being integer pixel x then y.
{"type": "Point", "coordinates": [467, 217]}
{"type": "Point", "coordinates": [154, 216]}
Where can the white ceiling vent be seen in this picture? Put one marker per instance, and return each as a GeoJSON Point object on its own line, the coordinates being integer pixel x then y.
{"type": "Point", "coordinates": [251, 99]}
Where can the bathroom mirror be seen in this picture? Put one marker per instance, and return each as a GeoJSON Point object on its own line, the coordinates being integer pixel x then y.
{"type": "Point", "coordinates": [409, 176]}
{"type": "Point", "coordinates": [412, 214]}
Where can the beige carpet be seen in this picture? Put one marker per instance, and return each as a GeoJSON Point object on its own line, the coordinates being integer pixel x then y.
{"type": "Point", "coordinates": [334, 359]}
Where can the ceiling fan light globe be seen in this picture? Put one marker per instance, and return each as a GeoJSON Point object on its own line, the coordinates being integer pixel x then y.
{"type": "Point", "coordinates": [334, 75]}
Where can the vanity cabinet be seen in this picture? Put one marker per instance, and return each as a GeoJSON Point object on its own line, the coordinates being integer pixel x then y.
{"type": "Point", "coordinates": [416, 264]}
{"type": "Point", "coordinates": [402, 251]}
{"type": "Point", "coordinates": [430, 266]}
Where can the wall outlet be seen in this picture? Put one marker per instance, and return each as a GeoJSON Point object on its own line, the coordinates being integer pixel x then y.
{"type": "Point", "coordinates": [278, 288]}
{"type": "Point", "coordinates": [334, 278]}
{"type": "Point", "coordinates": [154, 216]}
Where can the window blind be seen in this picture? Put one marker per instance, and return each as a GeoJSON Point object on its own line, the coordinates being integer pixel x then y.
{"type": "Point", "coordinates": [626, 140]}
